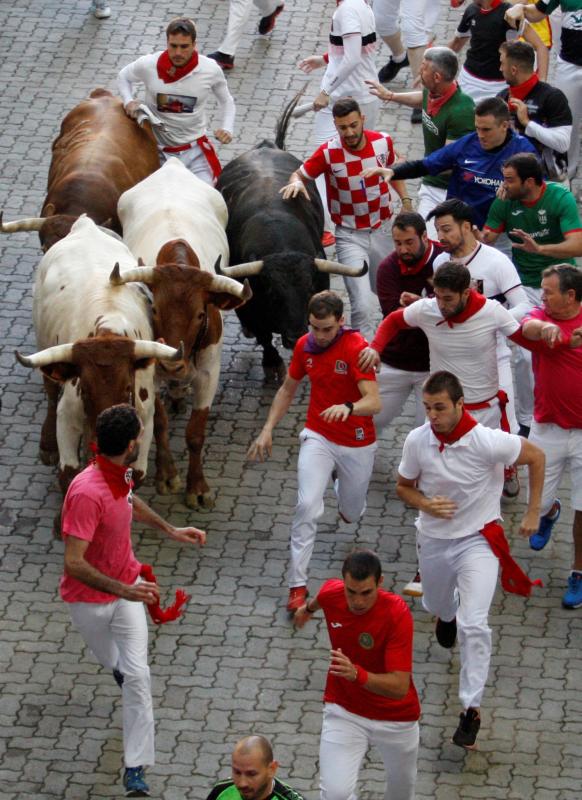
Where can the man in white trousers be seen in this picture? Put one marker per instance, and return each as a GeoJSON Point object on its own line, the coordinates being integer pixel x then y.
{"type": "Point", "coordinates": [101, 582]}
{"type": "Point", "coordinates": [370, 698]}
{"type": "Point", "coordinates": [338, 440]}
{"type": "Point", "coordinates": [178, 83]}
{"type": "Point", "coordinates": [238, 13]}
{"type": "Point", "coordinates": [452, 472]}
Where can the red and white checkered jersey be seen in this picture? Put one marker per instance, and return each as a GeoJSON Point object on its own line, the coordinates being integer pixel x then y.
{"type": "Point", "coordinates": [354, 202]}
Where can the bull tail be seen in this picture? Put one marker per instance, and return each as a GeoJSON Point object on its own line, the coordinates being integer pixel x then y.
{"type": "Point", "coordinates": [285, 118]}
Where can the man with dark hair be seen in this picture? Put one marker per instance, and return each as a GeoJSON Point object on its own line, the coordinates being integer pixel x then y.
{"type": "Point", "coordinates": [359, 206]}
{"type": "Point", "coordinates": [452, 472]}
{"type": "Point", "coordinates": [102, 581]}
{"type": "Point", "coordinates": [253, 774]}
{"type": "Point", "coordinates": [447, 114]}
{"type": "Point", "coordinates": [338, 440]}
{"type": "Point", "coordinates": [178, 84]}
{"type": "Point", "coordinates": [369, 697]}
{"type": "Point", "coordinates": [475, 160]}
{"type": "Point", "coordinates": [544, 226]}
{"type": "Point", "coordinates": [538, 110]}
{"type": "Point", "coordinates": [238, 14]}
{"type": "Point", "coordinates": [557, 423]}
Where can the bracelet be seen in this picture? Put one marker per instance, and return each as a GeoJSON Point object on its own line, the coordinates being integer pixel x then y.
{"type": "Point", "coordinates": [350, 407]}
{"type": "Point", "coordinates": [361, 676]}
{"type": "Point", "coordinates": [309, 610]}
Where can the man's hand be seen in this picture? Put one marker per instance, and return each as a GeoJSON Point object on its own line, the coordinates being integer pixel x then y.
{"type": "Point", "coordinates": [384, 172]}
{"type": "Point", "coordinates": [439, 506]}
{"type": "Point", "coordinates": [337, 413]}
{"type": "Point", "coordinates": [294, 189]}
{"type": "Point", "coordinates": [132, 108]}
{"type": "Point", "coordinates": [342, 667]}
{"type": "Point", "coordinates": [301, 616]}
{"type": "Point", "coordinates": [529, 244]}
{"type": "Point", "coordinates": [576, 338]}
{"type": "Point", "coordinates": [321, 101]}
{"type": "Point", "coordinates": [501, 194]}
{"type": "Point", "coordinates": [143, 592]}
{"type": "Point", "coordinates": [530, 523]}
{"type": "Point", "coordinates": [188, 535]}
{"type": "Point", "coordinates": [407, 298]}
{"type": "Point", "coordinates": [551, 334]}
{"type": "Point", "coordinates": [379, 91]}
{"type": "Point", "coordinates": [224, 137]}
{"type": "Point", "coordinates": [261, 447]}
{"type": "Point", "coordinates": [520, 109]}
{"type": "Point", "coordinates": [368, 358]}
{"type": "Point", "coordinates": [311, 63]}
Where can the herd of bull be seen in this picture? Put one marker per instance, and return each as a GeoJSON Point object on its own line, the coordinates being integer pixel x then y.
{"type": "Point", "coordinates": [129, 292]}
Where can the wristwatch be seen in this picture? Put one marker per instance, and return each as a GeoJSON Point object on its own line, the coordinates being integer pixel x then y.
{"type": "Point", "coordinates": [350, 406]}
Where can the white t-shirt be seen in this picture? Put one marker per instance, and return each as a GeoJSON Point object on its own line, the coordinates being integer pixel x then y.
{"type": "Point", "coordinates": [181, 105]}
{"type": "Point", "coordinates": [349, 66]}
{"type": "Point", "coordinates": [467, 349]}
{"type": "Point", "coordinates": [469, 472]}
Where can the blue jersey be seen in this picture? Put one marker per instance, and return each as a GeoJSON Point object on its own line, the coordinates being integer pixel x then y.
{"type": "Point", "coordinates": [476, 173]}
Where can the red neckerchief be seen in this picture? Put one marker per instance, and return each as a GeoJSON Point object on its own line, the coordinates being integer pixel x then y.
{"type": "Point", "coordinates": [513, 578]}
{"type": "Point", "coordinates": [493, 6]}
{"type": "Point", "coordinates": [521, 91]}
{"type": "Point", "coordinates": [168, 73]}
{"type": "Point", "coordinates": [117, 476]}
{"type": "Point", "coordinates": [434, 104]}
{"type": "Point", "coordinates": [162, 615]}
{"type": "Point", "coordinates": [463, 426]}
{"type": "Point", "coordinates": [475, 303]}
{"type": "Point", "coordinates": [414, 269]}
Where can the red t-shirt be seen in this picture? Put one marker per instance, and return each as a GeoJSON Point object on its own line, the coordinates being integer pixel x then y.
{"type": "Point", "coordinates": [334, 375]}
{"type": "Point", "coordinates": [379, 641]}
{"type": "Point", "coordinates": [91, 513]}
{"type": "Point", "coordinates": [558, 377]}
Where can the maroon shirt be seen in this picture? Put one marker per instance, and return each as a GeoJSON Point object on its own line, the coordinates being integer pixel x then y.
{"type": "Point", "coordinates": [409, 349]}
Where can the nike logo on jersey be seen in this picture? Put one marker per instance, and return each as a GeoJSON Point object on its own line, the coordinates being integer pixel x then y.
{"type": "Point", "coordinates": [336, 625]}
{"type": "Point", "coordinates": [469, 161]}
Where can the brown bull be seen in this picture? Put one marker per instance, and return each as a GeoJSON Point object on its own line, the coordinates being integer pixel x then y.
{"type": "Point", "coordinates": [99, 153]}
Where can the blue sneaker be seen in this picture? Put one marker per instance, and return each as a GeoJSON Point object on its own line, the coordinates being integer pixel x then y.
{"type": "Point", "coordinates": [540, 539]}
{"type": "Point", "coordinates": [573, 597]}
{"type": "Point", "coordinates": [134, 782]}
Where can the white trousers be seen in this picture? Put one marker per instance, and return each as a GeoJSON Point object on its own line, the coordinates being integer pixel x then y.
{"type": "Point", "coordinates": [477, 88]}
{"type": "Point", "coordinates": [568, 78]}
{"type": "Point", "coordinates": [524, 379]}
{"type": "Point", "coordinates": [419, 18]}
{"type": "Point", "coordinates": [353, 247]}
{"type": "Point", "coordinates": [317, 458]}
{"type": "Point", "coordinates": [459, 577]}
{"type": "Point", "coordinates": [345, 738]}
{"type": "Point", "coordinates": [238, 14]}
{"type": "Point", "coordinates": [563, 448]}
{"type": "Point", "coordinates": [117, 635]}
{"type": "Point", "coordinates": [395, 386]}
{"type": "Point", "coordinates": [428, 198]}
{"type": "Point", "coordinates": [195, 160]}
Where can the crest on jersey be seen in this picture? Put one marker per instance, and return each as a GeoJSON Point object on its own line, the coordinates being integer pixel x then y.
{"type": "Point", "coordinates": [308, 362]}
{"type": "Point", "coordinates": [543, 216]}
{"type": "Point", "coordinates": [366, 640]}
{"type": "Point", "coordinates": [381, 159]}
{"type": "Point", "coordinates": [341, 367]}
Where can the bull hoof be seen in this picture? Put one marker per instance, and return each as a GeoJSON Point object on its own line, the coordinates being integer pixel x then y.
{"type": "Point", "coordinates": [49, 457]}
{"type": "Point", "coordinates": [201, 502]}
{"type": "Point", "coordinates": [169, 485]}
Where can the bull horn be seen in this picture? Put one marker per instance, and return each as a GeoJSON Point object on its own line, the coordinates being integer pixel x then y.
{"type": "Point", "coordinates": [243, 270]}
{"type": "Point", "coordinates": [140, 274]}
{"type": "Point", "coordinates": [323, 265]}
{"type": "Point", "coordinates": [163, 352]}
{"type": "Point", "coordinates": [220, 283]}
{"type": "Point", "coordinates": [217, 269]}
{"type": "Point", "coordinates": [51, 355]}
{"type": "Point", "coordinates": [28, 224]}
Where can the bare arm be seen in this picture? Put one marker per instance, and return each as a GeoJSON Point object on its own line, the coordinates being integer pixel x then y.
{"type": "Point", "coordinates": [369, 405]}
{"type": "Point", "coordinates": [457, 43]}
{"type": "Point", "coordinates": [387, 684]}
{"type": "Point", "coordinates": [437, 506]}
{"type": "Point", "coordinates": [530, 12]}
{"type": "Point", "coordinates": [411, 99]}
{"type": "Point", "coordinates": [535, 461]}
{"type": "Point", "coordinates": [263, 444]}
{"type": "Point", "coordinates": [143, 513]}
{"type": "Point", "coordinates": [542, 53]}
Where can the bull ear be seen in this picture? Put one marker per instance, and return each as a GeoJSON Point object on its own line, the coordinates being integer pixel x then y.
{"type": "Point", "coordinates": [48, 210]}
{"type": "Point", "coordinates": [60, 371]}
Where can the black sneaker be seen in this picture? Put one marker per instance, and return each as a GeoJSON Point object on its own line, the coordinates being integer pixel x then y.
{"type": "Point", "coordinates": [524, 431]}
{"type": "Point", "coordinates": [222, 59]}
{"type": "Point", "coordinates": [466, 733]}
{"type": "Point", "coordinates": [266, 24]}
{"type": "Point", "coordinates": [118, 678]}
{"type": "Point", "coordinates": [416, 116]}
{"type": "Point", "coordinates": [390, 70]}
{"type": "Point", "coordinates": [446, 633]}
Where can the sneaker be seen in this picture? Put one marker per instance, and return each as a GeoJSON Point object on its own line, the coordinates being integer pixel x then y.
{"type": "Point", "coordinates": [416, 116]}
{"type": "Point", "coordinates": [119, 678]}
{"type": "Point", "coordinates": [222, 59]}
{"type": "Point", "coordinates": [414, 587]}
{"type": "Point", "coordinates": [266, 24]}
{"type": "Point", "coordinates": [390, 70]}
{"type": "Point", "coordinates": [524, 431]}
{"type": "Point", "coordinates": [540, 539]}
{"type": "Point", "coordinates": [446, 633]}
{"type": "Point", "coordinates": [134, 782]}
{"type": "Point", "coordinates": [328, 239]}
{"type": "Point", "coordinates": [297, 598]}
{"type": "Point", "coordinates": [511, 484]}
{"type": "Point", "coordinates": [573, 597]}
{"type": "Point", "coordinates": [100, 9]}
{"type": "Point", "coordinates": [466, 733]}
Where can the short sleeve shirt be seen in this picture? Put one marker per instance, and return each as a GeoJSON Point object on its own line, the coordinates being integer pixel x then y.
{"type": "Point", "coordinates": [352, 17]}
{"type": "Point", "coordinates": [487, 29]}
{"type": "Point", "coordinates": [379, 641]}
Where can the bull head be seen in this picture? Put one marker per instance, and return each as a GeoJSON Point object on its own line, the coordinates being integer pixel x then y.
{"type": "Point", "coordinates": [63, 353]}
{"type": "Point", "coordinates": [323, 265]}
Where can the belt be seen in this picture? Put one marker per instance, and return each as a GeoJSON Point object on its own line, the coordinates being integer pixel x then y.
{"type": "Point", "coordinates": [502, 399]}
{"type": "Point", "coordinates": [207, 150]}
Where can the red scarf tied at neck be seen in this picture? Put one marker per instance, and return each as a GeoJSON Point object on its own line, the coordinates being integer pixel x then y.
{"type": "Point", "coordinates": [434, 104]}
{"type": "Point", "coordinates": [168, 73]}
{"type": "Point", "coordinates": [475, 303]}
{"type": "Point", "coordinates": [117, 476]}
{"type": "Point", "coordinates": [521, 91]}
{"type": "Point", "coordinates": [463, 426]}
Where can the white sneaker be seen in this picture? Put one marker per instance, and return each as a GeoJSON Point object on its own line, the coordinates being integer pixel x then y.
{"type": "Point", "coordinates": [100, 9]}
{"type": "Point", "coordinates": [414, 587]}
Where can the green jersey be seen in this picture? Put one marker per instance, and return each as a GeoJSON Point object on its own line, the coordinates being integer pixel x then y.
{"type": "Point", "coordinates": [552, 217]}
{"type": "Point", "coordinates": [455, 119]}
{"type": "Point", "coordinates": [226, 790]}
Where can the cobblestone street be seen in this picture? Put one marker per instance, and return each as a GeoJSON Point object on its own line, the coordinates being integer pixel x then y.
{"type": "Point", "coordinates": [233, 664]}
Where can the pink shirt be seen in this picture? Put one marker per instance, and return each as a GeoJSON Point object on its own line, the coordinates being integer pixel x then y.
{"type": "Point", "coordinates": [558, 377]}
{"type": "Point", "coordinates": [91, 513]}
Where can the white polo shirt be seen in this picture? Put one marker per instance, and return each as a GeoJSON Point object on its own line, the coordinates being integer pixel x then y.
{"type": "Point", "coordinates": [467, 349]}
{"type": "Point", "coordinates": [469, 471]}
